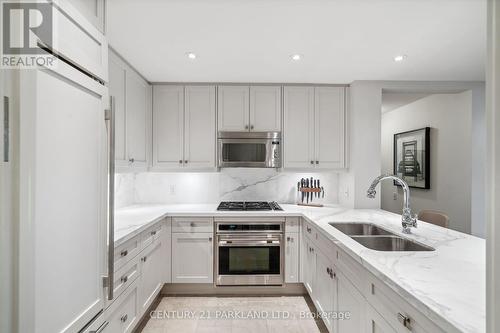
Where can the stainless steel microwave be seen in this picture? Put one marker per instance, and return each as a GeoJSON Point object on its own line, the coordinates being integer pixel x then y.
{"type": "Point", "coordinates": [249, 150]}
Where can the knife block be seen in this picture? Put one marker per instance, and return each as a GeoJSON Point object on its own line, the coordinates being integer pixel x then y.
{"type": "Point", "coordinates": [309, 190]}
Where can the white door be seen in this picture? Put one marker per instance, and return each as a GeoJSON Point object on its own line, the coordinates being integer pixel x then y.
{"type": "Point", "coordinates": [375, 323]}
{"type": "Point", "coordinates": [233, 108]}
{"type": "Point", "coordinates": [329, 127]}
{"type": "Point", "coordinates": [310, 268]}
{"type": "Point", "coordinates": [298, 127]}
{"type": "Point", "coordinates": [324, 288]}
{"type": "Point", "coordinates": [137, 109]}
{"type": "Point", "coordinates": [292, 257]}
{"type": "Point", "coordinates": [168, 126]}
{"type": "Point", "coordinates": [199, 127]}
{"type": "Point", "coordinates": [63, 199]}
{"type": "Point", "coordinates": [151, 279]}
{"type": "Point", "coordinates": [350, 300]}
{"type": "Point", "coordinates": [192, 258]}
{"type": "Point", "coordinates": [265, 108]}
{"type": "Point", "coordinates": [117, 84]}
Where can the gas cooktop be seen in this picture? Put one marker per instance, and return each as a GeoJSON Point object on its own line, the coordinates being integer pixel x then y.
{"type": "Point", "coordinates": [249, 205]}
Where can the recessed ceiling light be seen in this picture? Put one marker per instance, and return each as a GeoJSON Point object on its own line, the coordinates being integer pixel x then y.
{"type": "Point", "coordinates": [296, 57]}
{"type": "Point", "coordinates": [400, 57]}
{"type": "Point", "coordinates": [191, 55]}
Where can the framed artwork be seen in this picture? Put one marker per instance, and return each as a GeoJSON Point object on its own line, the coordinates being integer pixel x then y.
{"type": "Point", "coordinates": [412, 157]}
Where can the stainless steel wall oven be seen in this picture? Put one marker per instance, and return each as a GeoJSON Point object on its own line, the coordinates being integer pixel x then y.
{"type": "Point", "coordinates": [249, 253]}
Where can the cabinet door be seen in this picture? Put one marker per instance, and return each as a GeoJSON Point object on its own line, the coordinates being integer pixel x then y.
{"type": "Point", "coordinates": [138, 97]}
{"type": "Point", "coordinates": [93, 10]}
{"type": "Point", "coordinates": [167, 251]}
{"type": "Point", "coordinates": [309, 267]}
{"type": "Point", "coordinates": [329, 127]}
{"type": "Point", "coordinates": [152, 272]}
{"type": "Point", "coordinates": [117, 83]}
{"type": "Point", "coordinates": [265, 108]}
{"type": "Point", "coordinates": [292, 257]}
{"type": "Point", "coordinates": [199, 127]}
{"type": "Point", "coordinates": [233, 108]}
{"type": "Point", "coordinates": [349, 299]}
{"type": "Point", "coordinates": [325, 289]}
{"type": "Point", "coordinates": [375, 323]}
{"type": "Point", "coordinates": [298, 127]}
{"type": "Point", "coordinates": [168, 126]}
{"type": "Point", "coordinates": [192, 258]}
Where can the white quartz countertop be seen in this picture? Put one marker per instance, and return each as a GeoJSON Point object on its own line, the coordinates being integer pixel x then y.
{"type": "Point", "coordinates": [448, 284]}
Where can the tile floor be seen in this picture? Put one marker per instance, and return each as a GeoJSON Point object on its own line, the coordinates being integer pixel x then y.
{"type": "Point", "coordinates": [233, 315]}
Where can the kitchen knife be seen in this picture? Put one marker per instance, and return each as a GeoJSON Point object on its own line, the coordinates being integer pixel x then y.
{"type": "Point", "coordinates": [319, 187]}
{"type": "Point", "coordinates": [323, 191]}
{"type": "Point", "coordinates": [307, 194]}
{"type": "Point", "coordinates": [302, 184]}
{"type": "Point", "coordinates": [315, 187]}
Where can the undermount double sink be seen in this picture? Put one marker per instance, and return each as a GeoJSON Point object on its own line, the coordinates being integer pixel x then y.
{"type": "Point", "coordinates": [379, 239]}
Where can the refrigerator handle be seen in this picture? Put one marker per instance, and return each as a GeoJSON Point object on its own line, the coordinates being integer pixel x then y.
{"type": "Point", "coordinates": [110, 122]}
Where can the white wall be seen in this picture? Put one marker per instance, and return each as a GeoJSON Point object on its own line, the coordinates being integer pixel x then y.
{"type": "Point", "coordinates": [450, 119]}
{"type": "Point", "coordinates": [213, 187]}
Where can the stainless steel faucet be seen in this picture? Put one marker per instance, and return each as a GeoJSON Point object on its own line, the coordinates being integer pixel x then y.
{"type": "Point", "coordinates": [408, 219]}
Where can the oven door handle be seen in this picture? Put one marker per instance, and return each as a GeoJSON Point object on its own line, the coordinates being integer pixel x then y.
{"type": "Point", "coordinates": [238, 242]}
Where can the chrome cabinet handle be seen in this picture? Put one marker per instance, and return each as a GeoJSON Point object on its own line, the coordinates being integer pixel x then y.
{"type": "Point", "coordinates": [185, 161]}
{"type": "Point", "coordinates": [209, 239]}
{"type": "Point", "coordinates": [317, 162]}
{"type": "Point", "coordinates": [101, 328]}
{"type": "Point", "coordinates": [404, 320]}
{"type": "Point", "coordinates": [251, 127]}
{"type": "Point", "coordinates": [131, 160]}
{"type": "Point", "coordinates": [312, 162]}
{"type": "Point", "coordinates": [143, 259]}
{"type": "Point", "coordinates": [328, 270]}
{"type": "Point", "coordinates": [109, 116]}
{"type": "Point", "coordinates": [124, 253]}
{"type": "Point", "coordinates": [180, 161]}
{"type": "Point", "coordinates": [153, 233]}
{"type": "Point", "coordinates": [192, 224]}
{"type": "Point", "coordinates": [124, 318]}
{"type": "Point", "coordinates": [246, 126]}
{"type": "Point", "coordinates": [308, 229]}
{"type": "Point", "coordinates": [124, 279]}
{"type": "Point", "coordinates": [289, 239]}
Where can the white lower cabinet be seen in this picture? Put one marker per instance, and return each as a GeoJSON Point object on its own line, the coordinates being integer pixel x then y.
{"type": "Point", "coordinates": [375, 323]}
{"type": "Point", "coordinates": [349, 301]}
{"type": "Point", "coordinates": [151, 280]}
{"type": "Point", "coordinates": [325, 289]}
{"type": "Point", "coordinates": [192, 257]}
{"type": "Point", "coordinates": [292, 257]}
{"type": "Point", "coordinates": [309, 267]}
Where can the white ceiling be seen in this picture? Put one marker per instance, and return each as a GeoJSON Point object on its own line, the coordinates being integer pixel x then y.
{"type": "Point", "coordinates": [340, 40]}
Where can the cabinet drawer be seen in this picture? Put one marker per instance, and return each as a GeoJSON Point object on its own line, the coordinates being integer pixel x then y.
{"type": "Point", "coordinates": [125, 276]}
{"type": "Point", "coordinates": [196, 224]}
{"type": "Point", "coordinates": [395, 310]}
{"type": "Point", "coordinates": [152, 234]}
{"type": "Point", "coordinates": [123, 318]}
{"type": "Point", "coordinates": [125, 252]}
{"type": "Point", "coordinates": [292, 224]}
{"type": "Point", "coordinates": [308, 230]}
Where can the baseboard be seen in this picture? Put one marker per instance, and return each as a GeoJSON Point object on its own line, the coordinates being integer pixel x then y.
{"type": "Point", "coordinates": [145, 317]}
{"type": "Point", "coordinates": [209, 289]}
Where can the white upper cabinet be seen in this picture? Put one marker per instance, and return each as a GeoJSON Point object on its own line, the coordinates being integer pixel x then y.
{"type": "Point", "coordinates": [329, 118]}
{"type": "Point", "coordinates": [199, 127]}
{"type": "Point", "coordinates": [233, 108]}
{"type": "Point", "coordinates": [298, 136]}
{"type": "Point", "coordinates": [265, 108]}
{"type": "Point", "coordinates": [132, 95]}
{"type": "Point", "coordinates": [94, 11]}
{"type": "Point", "coordinates": [254, 108]}
{"type": "Point", "coordinates": [168, 124]}
{"type": "Point", "coordinates": [183, 127]}
{"type": "Point", "coordinates": [314, 127]}
{"type": "Point", "coordinates": [138, 99]}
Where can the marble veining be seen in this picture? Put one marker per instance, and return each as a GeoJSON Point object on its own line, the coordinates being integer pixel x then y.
{"type": "Point", "coordinates": [447, 285]}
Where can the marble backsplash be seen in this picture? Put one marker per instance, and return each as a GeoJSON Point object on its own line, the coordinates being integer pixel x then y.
{"type": "Point", "coordinates": [213, 187]}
